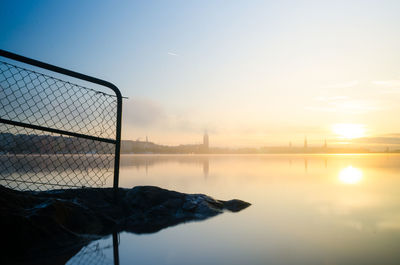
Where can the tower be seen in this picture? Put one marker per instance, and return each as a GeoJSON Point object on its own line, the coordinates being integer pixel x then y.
{"type": "Point", "coordinates": [206, 143]}
{"type": "Point", "coordinates": [305, 142]}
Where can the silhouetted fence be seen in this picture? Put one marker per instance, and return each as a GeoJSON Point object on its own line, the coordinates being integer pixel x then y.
{"type": "Point", "coordinates": [54, 132]}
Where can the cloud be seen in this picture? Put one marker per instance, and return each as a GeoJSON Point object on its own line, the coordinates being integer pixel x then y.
{"type": "Point", "coordinates": [388, 86]}
{"type": "Point", "coordinates": [142, 112]}
{"type": "Point", "coordinates": [172, 54]}
{"type": "Point", "coordinates": [390, 91]}
{"type": "Point", "coordinates": [330, 98]}
{"type": "Point", "coordinates": [343, 85]}
{"type": "Point", "coordinates": [387, 83]}
{"type": "Point", "coordinates": [343, 104]}
{"type": "Point", "coordinates": [392, 135]}
{"type": "Point", "coordinates": [386, 140]}
{"type": "Point", "coordinates": [147, 114]}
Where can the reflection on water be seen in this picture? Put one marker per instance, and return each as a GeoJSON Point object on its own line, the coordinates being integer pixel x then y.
{"type": "Point", "coordinates": [52, 171]}
{"type": "Point", "coordinates": [305, 164]}
{"type": "Point", "coordinates": [206, 168]}
{"type": "Point", "coordinates": [350, 175]}
{"type": "Point", "coordinates": [102, 252]}
{"type": "Point", "coordinates": [146, 161]}
{"type": "Point", "coordinates": [303, 211]}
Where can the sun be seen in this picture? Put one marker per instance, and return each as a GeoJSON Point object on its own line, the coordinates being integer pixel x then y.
{"type": "Point", "coordinates": [350, 175]}
{"type": "Point", "coordinates": [349, 130]}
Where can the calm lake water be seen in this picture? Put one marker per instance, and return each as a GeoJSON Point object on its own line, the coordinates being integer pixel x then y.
{"type": "Point", "coordinates": [306, 209]}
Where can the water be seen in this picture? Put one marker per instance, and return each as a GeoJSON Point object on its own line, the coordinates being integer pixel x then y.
{"type": "Point", "coordinates": [306, 209]}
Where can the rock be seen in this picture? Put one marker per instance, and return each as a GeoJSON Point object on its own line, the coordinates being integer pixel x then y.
{"type": "Point", "coordinates": [235, 205]}
{"type": "Point", "coordinates": [40, 221]}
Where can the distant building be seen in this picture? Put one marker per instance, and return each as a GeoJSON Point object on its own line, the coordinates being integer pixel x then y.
{"type": "Point", "coordinates": [305, 142]}
{"type": "Point", "coordinates": [325, 144]}
{"type": "Point", "coordinates": [206, 143]}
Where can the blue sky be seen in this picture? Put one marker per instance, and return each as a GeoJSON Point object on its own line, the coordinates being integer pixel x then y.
{"type": "Point", "coordinates": [250, 72]}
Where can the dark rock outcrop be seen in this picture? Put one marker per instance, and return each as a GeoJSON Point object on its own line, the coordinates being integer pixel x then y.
{"type": "Point", "coordinates": [40, 222]}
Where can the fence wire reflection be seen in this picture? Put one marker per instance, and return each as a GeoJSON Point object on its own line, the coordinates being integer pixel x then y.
{"type": "Point", "coordinates": [94, 253]}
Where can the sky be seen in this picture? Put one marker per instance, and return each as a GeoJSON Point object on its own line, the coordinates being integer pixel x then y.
{"type": "Point", "coordinates": [250, 73]}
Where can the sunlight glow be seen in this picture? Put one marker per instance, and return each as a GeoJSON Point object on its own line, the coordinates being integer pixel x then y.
{"type": "Point", "coordinates": [349, 130]}
{"type": "Point", "coordinates": [350, 175]}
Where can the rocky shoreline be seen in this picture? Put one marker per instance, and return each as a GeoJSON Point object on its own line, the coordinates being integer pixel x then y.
{"type": "Point", "coordinates": [38, 222]}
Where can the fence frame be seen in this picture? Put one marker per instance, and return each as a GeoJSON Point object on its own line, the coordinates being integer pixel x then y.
{"type": "Point", "coordinates": [63, 71]}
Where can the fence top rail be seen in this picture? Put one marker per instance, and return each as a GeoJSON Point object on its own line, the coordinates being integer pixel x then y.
{"type": "Point", "coordinates": [60, 70]}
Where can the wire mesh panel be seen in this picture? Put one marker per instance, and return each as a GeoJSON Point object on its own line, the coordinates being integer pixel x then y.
{"type": "Point", "coordinates": [55, 133]}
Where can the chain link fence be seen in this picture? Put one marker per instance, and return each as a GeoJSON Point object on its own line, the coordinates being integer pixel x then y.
{"type": "Point", "coordinates": [55, 133]}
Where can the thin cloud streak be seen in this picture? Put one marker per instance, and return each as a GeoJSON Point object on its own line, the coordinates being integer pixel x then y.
{"type": "Point", "coordinates": [388, 86]}
{"type": "Point", "coordinates": [352, 83]}
{"type": "Point", "coordinates": [390, 91]}
{"type": "Point", "coordinates": [343, 104]}
{"type": "Point", "coordinates": [172, 54]}
{"type": "Point", "coordinates": [379, 140]}
{"type": "Point", "coordinates": [387, 83]}
{"type": "Point", "coordinates": [331, 98]}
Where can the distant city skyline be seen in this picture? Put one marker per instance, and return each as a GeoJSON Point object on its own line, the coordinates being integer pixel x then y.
{"type": "Point", "coordinates": [318, 144]}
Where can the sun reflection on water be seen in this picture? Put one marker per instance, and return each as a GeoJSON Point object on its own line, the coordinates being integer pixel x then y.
{"type": "Point", "coordinates": [350, 175]}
